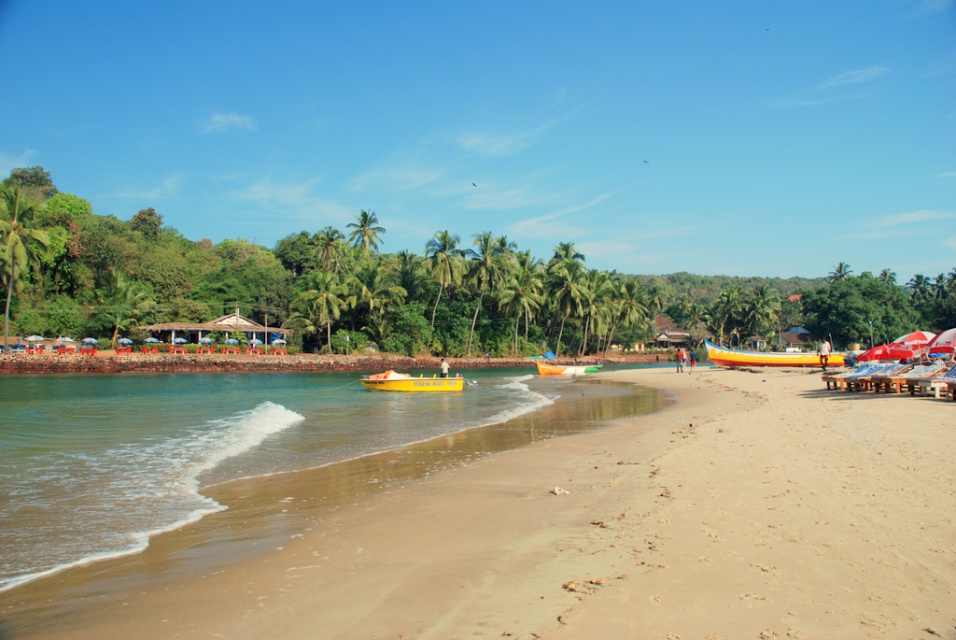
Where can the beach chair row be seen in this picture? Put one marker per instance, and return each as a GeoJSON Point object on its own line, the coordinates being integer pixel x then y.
{"type": "Point", "coordinates": [925, 379]}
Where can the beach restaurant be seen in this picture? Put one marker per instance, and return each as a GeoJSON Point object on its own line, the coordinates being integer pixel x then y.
{"type": "Point", "coordinates": [227, 324]}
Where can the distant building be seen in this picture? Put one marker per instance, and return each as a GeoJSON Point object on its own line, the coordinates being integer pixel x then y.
{"type": "Point", "coordinates": [669, 335]}
{"type": "Point", "coordinates": [796, 337]}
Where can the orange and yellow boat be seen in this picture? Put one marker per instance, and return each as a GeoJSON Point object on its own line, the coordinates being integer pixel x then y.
{"type": "Point", "coordinates": [552, 369]}
{"type": "Point", "coordinates": [392, 381]}
{"type": "Point", "coordinates": [725, 357]}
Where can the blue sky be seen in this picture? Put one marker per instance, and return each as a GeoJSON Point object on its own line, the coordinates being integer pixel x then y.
{"type": "Point", "coordinates": [735, 138]}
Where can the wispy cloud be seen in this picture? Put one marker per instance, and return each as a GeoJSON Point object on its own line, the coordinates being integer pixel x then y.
{"type": "Point", "coordinates": [947, 174]}
{"type": "Point", "coordinates": [398, 177]}
{"type": "Point", "coordinates": [550, 225]}
{"type": "Point", "coordinates": [222, 122]}
{"type": "Point", "coordinates": [908, 224]}
{"type": "Point", "coordinates": [854, 76]}
{"type": "Point", "coordinates": [492, 144]}
{"type": "Point", "coordinates": [828, 91]}
{"type": "Point", "coordinates": [167, 188]}
{"type": "Point", "coordinates": [293, 200]}
{"type": "Point", "coordinates": [9, 161]}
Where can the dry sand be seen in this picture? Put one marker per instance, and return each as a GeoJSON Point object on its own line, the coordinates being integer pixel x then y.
{"type": "Point", "coordinates": [759, 505]}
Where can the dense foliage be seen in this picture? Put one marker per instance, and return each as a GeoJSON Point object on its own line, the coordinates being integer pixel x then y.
{"type": "Point", "coordinates": [66, 270]}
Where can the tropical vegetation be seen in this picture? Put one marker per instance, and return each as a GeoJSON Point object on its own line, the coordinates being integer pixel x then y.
{"type": "Point", "coordinates": [66, 270]}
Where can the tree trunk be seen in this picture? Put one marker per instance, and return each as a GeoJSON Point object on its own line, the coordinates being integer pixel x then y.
{"type": "Point", "coordinates": [6, 315]}
{"type": "Point", "coordinates": [435, 308]}
{"type": "Point", "coordinates": [557, 347]}
{"type": "Point", "coordinates": [517, 323]}
{"type": "Point", "coordinates": [610, 339]}
{"type": "Point", "coordinates": [474, 321]}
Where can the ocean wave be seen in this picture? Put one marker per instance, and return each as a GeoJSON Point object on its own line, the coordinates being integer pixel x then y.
{"type": "Point", "coordinates": [153, 484]}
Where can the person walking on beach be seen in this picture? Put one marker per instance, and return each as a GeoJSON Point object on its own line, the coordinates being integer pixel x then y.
{"type": "Point", "coordinates": [693, 361]}
{"type": "Point", "coordinates": [444, 368]}
{"type": "Point", "coordinates": [824, 351]}
{"type": "Point", "coordinates": [679, 358]}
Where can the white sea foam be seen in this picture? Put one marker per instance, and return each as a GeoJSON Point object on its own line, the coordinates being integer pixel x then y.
{"type": "Point", "coordinates": [153, 485]}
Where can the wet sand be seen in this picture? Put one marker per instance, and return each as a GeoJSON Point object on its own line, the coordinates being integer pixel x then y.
{"type": "Point", "coordinates": [759, 505]}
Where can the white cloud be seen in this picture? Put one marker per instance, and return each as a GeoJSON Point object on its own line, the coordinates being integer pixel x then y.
{"type": "Point", "coordinates": [913, 217]}
{"type": "Point", "coordinates": [293, 201]}
{"type": "Point", "coordinates": [488, 144]}
{"type": "Point", "coordinates": [9, 162]}
{"type": "Point", "coordinates": [854, 76]}
{"type": "Point", "coordinates": [168, 187]}
{"type": "Point", "coordinates": [549, 226]}
{"type": "Point", "coordinates": [947, 174]}
{"type": "Point", "coordinates": [951, 242]}
{"type": "Point", "coordinates": [395, 178]}
{"type": "Point", "coordinates": [220, 122]}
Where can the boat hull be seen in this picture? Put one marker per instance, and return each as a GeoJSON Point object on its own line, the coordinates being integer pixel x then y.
{"type": "Point", "coordinates": [415, 385]}
{"type": "Point", "coordinates": [725, 357]}
{"type": "Point", "coordinates": [549, 369]}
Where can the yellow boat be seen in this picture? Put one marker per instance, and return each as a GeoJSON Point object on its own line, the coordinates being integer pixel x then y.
{"type": "Point", "coordinates": [724, 357]}
{"type": "Point", "coordinates": [392, 381]}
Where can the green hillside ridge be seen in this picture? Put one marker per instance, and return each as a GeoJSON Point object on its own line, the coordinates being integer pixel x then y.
{"type": "Point", "coordinates": [67, 270]}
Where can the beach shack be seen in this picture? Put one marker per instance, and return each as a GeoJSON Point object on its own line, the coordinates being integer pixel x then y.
{"type": "Point", "coordinates": [193, 332]}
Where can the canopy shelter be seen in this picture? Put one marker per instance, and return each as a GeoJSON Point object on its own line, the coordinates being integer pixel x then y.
{"type": "Point", "coordinates": [231, 323]}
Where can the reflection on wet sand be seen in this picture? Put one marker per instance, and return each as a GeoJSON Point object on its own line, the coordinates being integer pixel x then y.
{"type": "Point", "coordinates": [265, 512]}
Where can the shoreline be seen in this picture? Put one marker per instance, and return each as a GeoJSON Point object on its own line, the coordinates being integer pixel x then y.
{"type": "Point", "coordinates": [758, 505]}
{"type": "Point", "coordinates": [106, 362]}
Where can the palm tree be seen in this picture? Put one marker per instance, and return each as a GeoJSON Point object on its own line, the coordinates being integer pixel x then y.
{"type": "Point", "coordinates": [840, 272]}
{"type": "Point", "coordinates": [443, 258]}
{"type": "Point", "coordinates": [319, 304]}
{"type": "Point", "coordinates": [372, 287]}
{"type": "Point", "coordinates": [761, 309]}
{"type": "Point", "coordinates": [123, 302]}
{"type": "Point", "coordinates": [631, 307]}
{"type": "Point", "coordinates": [598, 305]}
{"type": "Point", "coordinates": [919, 288]}
{"type": "Point", "coordinates": [569, 292]}
{"type": "Point", "coordinates": [20, 241]}
{"type": "Point", "coordinates": [520, 293]}
{"type": "Point", "coordinates": [366, 232]}
{"type": "Point", "coordinates": [409, 273]}
{"type": "Point", "coordinates": [486, 269]}
{"type": "Point", "coordinates": [566, 251]}
{"type": "Point", "coordinates": [330, 245]}
{"type": "Point", "coordinates": [940, 286]}
{"type": "Point", "coordinates": [726, 311]}
{"type": "Point", "coordinates": [887, 275]}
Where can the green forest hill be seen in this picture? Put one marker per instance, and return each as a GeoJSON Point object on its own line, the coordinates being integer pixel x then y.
{"type": "Point", "coordinates": [66, 270]}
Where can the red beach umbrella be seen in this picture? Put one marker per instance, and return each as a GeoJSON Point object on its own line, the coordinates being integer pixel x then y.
{"type": "Point", "coordinates": [916, 338]}
{"type": "Point", "coordinates": [944, 342]}
{"type": "Point", "coordinates": [881, 352]}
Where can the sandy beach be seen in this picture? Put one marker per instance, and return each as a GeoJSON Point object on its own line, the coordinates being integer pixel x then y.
{"type": "Point", "coordinates": [757, 505]}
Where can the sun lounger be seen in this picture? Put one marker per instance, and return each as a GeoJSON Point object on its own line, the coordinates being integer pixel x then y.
{"type": "Point", "coordinates": [934, 384]}
{"type": "Point", "coordinates": [865, 382]}
{"type": "Point", "coordinates": [839, 380]}
{"type": "Point", "coordinates": [896, 382]}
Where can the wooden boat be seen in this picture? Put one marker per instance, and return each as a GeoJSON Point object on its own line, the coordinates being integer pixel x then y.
{"type": "Point", "coordinates": [551, 369]}
{"type": "Point", "coordinates": [392, 381]}
{"type": "Point", "coordinates": [725, 357]}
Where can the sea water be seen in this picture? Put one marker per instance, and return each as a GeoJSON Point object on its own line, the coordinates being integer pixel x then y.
{"type": "Point", "coordinates": [93, 466]}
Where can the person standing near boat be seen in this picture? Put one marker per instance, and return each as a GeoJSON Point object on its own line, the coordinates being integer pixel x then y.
{"type": "Point", "coordinates": [444, 368]}
{"type": "Point", "coordinates": [824, 351]}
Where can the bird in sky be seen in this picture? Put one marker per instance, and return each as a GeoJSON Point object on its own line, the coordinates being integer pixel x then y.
{"type": "Point", "coordinates": [473, 184]}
